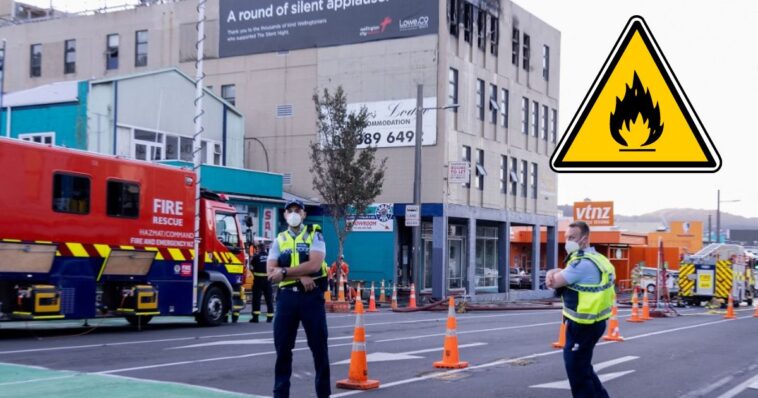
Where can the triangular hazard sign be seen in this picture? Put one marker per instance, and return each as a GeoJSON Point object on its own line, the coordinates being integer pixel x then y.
{"type": "Point", "coordinates": [636, 117]}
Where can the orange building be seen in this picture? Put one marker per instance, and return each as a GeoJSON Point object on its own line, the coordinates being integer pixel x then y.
{"type": "Point", "coordinates": [686, 235]}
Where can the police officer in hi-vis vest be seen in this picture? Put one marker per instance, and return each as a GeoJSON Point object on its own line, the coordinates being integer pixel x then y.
{"type": "Point", "coordinates": [261, 285]}
{"type": "Point", "coordinates": [296, 261]}
{"type": "Point", "coordinates": [587, 288]}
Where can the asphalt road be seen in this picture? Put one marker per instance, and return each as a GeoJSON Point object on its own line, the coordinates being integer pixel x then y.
{"type": "Point", "coordinates": [698, 354]}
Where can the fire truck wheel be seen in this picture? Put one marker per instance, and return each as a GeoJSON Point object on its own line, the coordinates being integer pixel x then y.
{"type": "Point", "coordinates": [138, 321]}
{"type": "Point", "coordinates": [214, 308]}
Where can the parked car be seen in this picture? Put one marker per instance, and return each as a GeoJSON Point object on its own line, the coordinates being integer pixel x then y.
{"type": "Point", "coordinates": [648, 280]}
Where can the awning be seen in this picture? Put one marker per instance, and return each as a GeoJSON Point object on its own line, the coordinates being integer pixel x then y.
{"type": "Point", "coordinates": [255, 198]}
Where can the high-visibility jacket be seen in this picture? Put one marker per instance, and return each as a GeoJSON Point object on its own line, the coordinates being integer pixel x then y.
{"type": "Point", "coordinates": [295, 251]}
{"type": "Point", "coordinates": [590, 303]}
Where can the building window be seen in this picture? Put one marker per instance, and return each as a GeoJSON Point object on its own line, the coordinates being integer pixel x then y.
{"type": "Point", "coordinates": [480, 98]}
{"type": "Point", "coordinates": [148, 145]}
{"type": "Point", "coordinates": [524, 171]}
{"type": "Point", "coordinates": [217, 154]}
{"type": "Point", "coordinates": [494, 34]}
{"type": "Point", "coordinates": [504, 106]}
{"type": "Point", "coordinates": [493, 104]}
{"type": "Point", "coordinates": [481, 29]}
{"type": "Point", "coordinates": [526, 52]}
{"type": "Point", "coordinates": [544, 122]}
{"type": "Point", "coordinates": [178, 148]}
{"type": "Point", "coordinates": [515, 46]}
{"type": "Point", "coordinates": [452, 88]}
{"type": "Point", "coordinates": [71, 193]}
{"type": "Point", "coordinates": [533, 181]}
{"type": "Point", "coordinates": [513, 175]}
{"type": "Point", "coordinates": [35, 60]}
{"type": "Point", "coordinates": [480, 171]}
{"type": "Point", "coordinates": [452, 16]}
{"type": "Point", "coordinates": [524, 115]}
{"type": "Point", "coordinates": [69, 56]}
{"type": "Point", "coordinates": [468, 21]}
{"type": "Point", "coordinates": [111, 52]}
{"type": "Point", "coordinates": [546, 62]}
{"type": "Point", "coordinates": [122, 199]}
{"type": "Point", "coordinates": [140, 48]}
{"type": "Point", "coordinates": [39, 138]}
{"type": "Point", "coordinates": [229, 93]}
{"type": "Point", "coordinates": [535, 118]}
{"type": "Point", "coordinates": [503, 174]}
{"type": "Point", "coordinates": [553, 125]}
{"type": "Point", "coordinates": [466, 157]}
{"type": "Point", "coordinates": [486, 257]}
{"type": "Point", "coordinates": [2, 62]}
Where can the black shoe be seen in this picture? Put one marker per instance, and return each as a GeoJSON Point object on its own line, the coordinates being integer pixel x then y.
{"type": "Point", "coordinates": [269, 319]}
{"type": "Point", "coordinates": [254, 319]}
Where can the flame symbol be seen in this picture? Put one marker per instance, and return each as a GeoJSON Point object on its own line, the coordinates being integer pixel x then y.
{"type": "Point", "coordinates": [637, 102]}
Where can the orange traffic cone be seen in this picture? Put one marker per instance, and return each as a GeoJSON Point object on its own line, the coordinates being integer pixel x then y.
{"type": "Point", "coordinates": [614, 334]}
{"type": "Point", "coordinates": [450, 358]}
{"type": "Point", "coordinates": [561, 335]}
{"type": "Point", "coordinates": [412, 301]}
{"type": "Point", "coordinates": [393, 303]}
{"type": "Point", "coordinates": [357, 376]}
{"type": "Point", "coordinates": [635, 310]}
{"type": "Point", "coordinates": [730, 309]}
{"type": "Point", "coordinates": [328, 295]}
{"type": "Point", "coordinates": [645, 308]}
{"type": "Point", "coordinates": [371, 302]}
{"type": "Point", "coordinates": [755, 315]}
{"type": "Point", "coordinates": [382, 297]}
{"type": "Point", "coordinates": [358, 299]}
{"type": "Point", "coordinates": [340, 291]}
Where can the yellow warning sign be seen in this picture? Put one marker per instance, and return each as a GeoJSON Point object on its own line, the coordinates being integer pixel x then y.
{"type": "Point", "coordinates": [636, 117]}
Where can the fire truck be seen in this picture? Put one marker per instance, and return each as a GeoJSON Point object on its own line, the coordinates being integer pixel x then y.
{"type": "Point", "coordinates": [84, 235]}
{"type": "Point", "coordinates": [717, 271]}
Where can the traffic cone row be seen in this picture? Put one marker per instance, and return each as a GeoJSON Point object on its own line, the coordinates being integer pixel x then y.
{"type": "Point", "coordinates": [635, 310]}
{"type": "Point", "coordinates": [371, 302]}
{"type": "Point", "coordinates": [450, 358]}
{"type": "Point", "coordinates": [357, 376]}
{"type": "Point", "coordinates": [614, 334]}
{"type": "Point", "coordinates": [730, 309]}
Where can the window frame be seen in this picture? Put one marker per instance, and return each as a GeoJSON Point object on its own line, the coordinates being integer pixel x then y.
{"type": "Point", "coordinates": [466, 157]}
{"type": "Point", "coordinates": [35, 60]}
{"type": "Point", "coordinates": [504, 174]}
{"type": "Point", "coordinates": [69, 67]}
{"type": "Point", "coordinates": [494, 34]}
{"type": "Point", "coordinates": [544, 125]}
{"type": "Point", "coordinates": [513, 171]}
{"type": "Point", "coordinates": [535, 118]}
{"type": "Point", "coordinates": [526, 51]}
{"type": "Point", "coordinates": [546, 62]}
{"type": "Point", "coordinates": [232, 100]}
{"type": "Point", "coordinates": [524, 115]}
{"type": "Point", "coordinates": [480, 98]}
{"type": "Point", "coordinates": [533, 180]}
{"type": "Point", "coordinates": [453, 14]}
{"type": "Point", "coordinates": [468, 21]}
{"type": "Point", "coordinates": [88, 198]}
{"type": "Point", "coordinates": [515, 46]}
{"type": "Point", "coordinates": [108, 181]}
{"type": "Point", "coordinates": [452, 85]}
{"type": "Point", "coordinates": [137, 56]}
{"type": "Point", "coordinates": [29, 137]}
{"type": "Point", "coordinates": [481, 29]}
{"type": "Point", "coordinates": [524, 175]}
{"type": "Point", "coordinates": [504, 93]}
{"type": "Point", "coordinates": [554, 124]}
{"type": "Point", "coordinates": [494, 109]}
{"type": "Point", "coordinates": [112, 52]}
{"type": "Point", "coordinates": [480, 170]}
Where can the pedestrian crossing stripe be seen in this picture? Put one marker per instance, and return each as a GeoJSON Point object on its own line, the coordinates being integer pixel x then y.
{"type": "Point", "coordinates": [636, 117]}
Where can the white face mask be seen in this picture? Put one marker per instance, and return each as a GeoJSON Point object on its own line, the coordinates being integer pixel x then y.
{"type": "Point", "coordinates": [571, 246]}
{"type": "Point", "coordinates": [294, 219]}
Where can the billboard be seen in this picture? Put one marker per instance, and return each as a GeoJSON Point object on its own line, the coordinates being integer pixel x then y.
{"type": "Point", "coordinates": [254, 27]}
{"type": "Point", "coordinates": [393, 123]}
{"type": "Point", "coordinates": [378, 217]}
{"type": "Point", "coordinates": [594, 213]}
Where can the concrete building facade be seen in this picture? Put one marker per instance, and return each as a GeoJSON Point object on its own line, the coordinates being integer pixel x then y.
{"type": "Point", "coordinates": [494, 59]}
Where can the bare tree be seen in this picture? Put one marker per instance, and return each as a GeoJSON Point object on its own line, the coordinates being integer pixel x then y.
{"type": "Point", "coordinates": [347, 178]}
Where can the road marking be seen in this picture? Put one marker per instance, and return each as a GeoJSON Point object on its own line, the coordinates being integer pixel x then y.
{"type": "Point", "coordinates": [399, 356]}
{"type": "Point", "coordinates": [470, 331]}
{"type": "Point", "coordinates": [703, 392]}
{"type": "Point", "coordinates": [250, 342]}
{"type": "Point", "coordinates": [564, 384]}
{"type": "Point", "coordinates": [749, 383]}
{"type": "Point", "coordinates": [37, 380]}
{"type": "Point", "coordinates": [507, 361]}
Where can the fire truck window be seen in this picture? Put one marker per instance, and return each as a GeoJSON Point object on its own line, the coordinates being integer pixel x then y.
{"type": "Point", "coordinates": [123, 199]}
{"type": "Point", "coordinates": [226, 231]}
{"type": "Point", "coordinates": [71, 193]}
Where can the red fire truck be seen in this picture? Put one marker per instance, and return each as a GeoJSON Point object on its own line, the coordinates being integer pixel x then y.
{"type": "Point", "coordinates": [84, 235]}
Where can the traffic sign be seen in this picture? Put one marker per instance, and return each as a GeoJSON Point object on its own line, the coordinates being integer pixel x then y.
{"type": "Point", "coordinates": [412, 216]}
{"type": "Point", "coordinates": [636, 117]}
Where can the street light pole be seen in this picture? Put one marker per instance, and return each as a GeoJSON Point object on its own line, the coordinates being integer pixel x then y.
{"type": "Point", "coordinates": [417, 186]}
{"type": "Point", "coordinates": [718, 216]}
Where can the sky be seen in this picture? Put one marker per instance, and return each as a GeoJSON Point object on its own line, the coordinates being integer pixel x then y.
{"type": "Point", "coordinates": [710, 47]}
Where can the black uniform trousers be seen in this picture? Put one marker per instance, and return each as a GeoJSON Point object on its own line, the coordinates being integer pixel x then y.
{"type": "Point", "coordinates": [262, 286]}
{"type": "Point", "coordinates": [292, 307]}
{"type": "Point", "coordinates": [577, 356]}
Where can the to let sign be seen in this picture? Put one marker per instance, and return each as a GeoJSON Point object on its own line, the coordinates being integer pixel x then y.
{"type": "Point", "coordinates": [594, 213]}
{"type": "Point", "coordinates": [458, 172]}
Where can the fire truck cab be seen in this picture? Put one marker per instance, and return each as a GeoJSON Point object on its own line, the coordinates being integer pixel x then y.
{"type": "Point", "coordinates": [85, 235]}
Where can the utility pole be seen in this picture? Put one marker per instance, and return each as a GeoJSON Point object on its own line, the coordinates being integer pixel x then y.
{"type": "Point", "coordinates": [197, 143]}
{"type": "Point", "coordinates": [417, 186]}
{"type": "Point", "coordinates": [718, 216]}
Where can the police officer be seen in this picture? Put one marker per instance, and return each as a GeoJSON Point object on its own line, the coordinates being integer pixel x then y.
{"type": "Point", "coordinates": [261, 285]}
{"type": "Point", "coordinates": [587, 288]}
{"type": "Point", "coordinates": [296, 261]}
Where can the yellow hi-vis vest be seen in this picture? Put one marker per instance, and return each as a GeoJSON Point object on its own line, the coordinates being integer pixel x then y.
{"type": "Point", "coordinates": [299, 249]}
{"type": "Point", "coordinates": [590, 303]}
